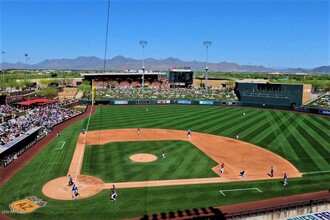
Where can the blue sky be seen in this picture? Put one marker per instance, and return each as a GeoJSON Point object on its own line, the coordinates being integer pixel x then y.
{"type": "Point", "coordinates": [286, 33]}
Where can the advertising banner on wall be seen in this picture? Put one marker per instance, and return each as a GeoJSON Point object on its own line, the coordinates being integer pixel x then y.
{"type": "Point", "coordinates": [163, 101]}
{"type": "Point", "coordinates": [142, 102]}
{"type": "Point", "coordinates": [184, 102]}
{"type": "Point", "coordinates": [324, 112]}
{"type": "Point", "coordinates": [121, 102]}
{"type": "Point", "coordinates": [206, 102]}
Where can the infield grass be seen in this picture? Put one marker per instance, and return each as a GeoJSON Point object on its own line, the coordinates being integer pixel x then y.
{"type": "Point", "coordinates": [111, 162]}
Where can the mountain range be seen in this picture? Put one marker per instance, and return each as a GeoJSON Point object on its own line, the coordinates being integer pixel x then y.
{"type": "Point", "coordinates": [123, 63]}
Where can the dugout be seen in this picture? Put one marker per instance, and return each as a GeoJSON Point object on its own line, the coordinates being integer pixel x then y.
{"type": "Point", "coordinates": [18, 145]}
{"type": "Point", "coordinates": [282, 96]}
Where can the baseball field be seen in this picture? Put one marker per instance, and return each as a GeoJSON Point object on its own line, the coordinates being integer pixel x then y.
{"type": "Point", "coordinates": [189, 177]}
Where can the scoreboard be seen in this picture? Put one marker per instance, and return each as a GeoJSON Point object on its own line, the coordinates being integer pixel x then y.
{"type": "Point", "coordinates": [181, 76]}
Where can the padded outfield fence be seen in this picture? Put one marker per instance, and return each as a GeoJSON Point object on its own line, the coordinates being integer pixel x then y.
{"type": "Point", "coordinates": [204, 102]}
{"type": "Point", "coordinates": [278, 208]}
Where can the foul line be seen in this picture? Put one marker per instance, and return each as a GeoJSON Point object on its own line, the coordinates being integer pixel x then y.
{"type": "Point", "coordinates": [315, 172]}
{"type": "Point", "coordinates": [83, 148]}
{"type": "Point", "coordinates": [60, 148]}
{"type": "Point", "coordinates": [228, 190]}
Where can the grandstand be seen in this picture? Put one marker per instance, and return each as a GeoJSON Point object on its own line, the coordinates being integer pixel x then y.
{"type": "Point", "coordinates": [124, 79]}
{"type": "Point", "coordinates": [18, 134]}
{"type": "Point", "coordinates": [67, 93]}
{"type": "Point", "coordinates": [283, 96]}
{"type": "Point", "coordinates": [322, 102]}
{"type": "Point", "coordinates": [165, 93]}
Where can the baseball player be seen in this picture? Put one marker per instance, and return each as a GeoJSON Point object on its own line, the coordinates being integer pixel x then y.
{"type": "Point", "coordinates": [70, 180]}
{"type": "Point", "coordinates": [285, 179]}
{"type": "Point", "coordinates": [222, 169]}
{"type": "Point", "coordinates": [138, 131]}
{"type": "Point", "coordinates": [113, 193]}
{"type": "Point", "coordinates": [237, 136]}
{"type": "Point", "coordinates": [163, 155]}
{"type": "Point", "coordinates": [189, 134]}
{"type": "Point", "coordinates": [242, 173]}
{"type": "Point", "coordinates": [272, 171]}
{"type": "Point", "coordinates": [75, 192]}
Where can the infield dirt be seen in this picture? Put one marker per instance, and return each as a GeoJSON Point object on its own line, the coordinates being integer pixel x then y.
{"type": "Point", "coordinates": [236, 155]}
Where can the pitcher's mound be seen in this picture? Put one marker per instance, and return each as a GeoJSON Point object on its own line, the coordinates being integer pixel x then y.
{"type": "Point", "coordinates": [142, 158]}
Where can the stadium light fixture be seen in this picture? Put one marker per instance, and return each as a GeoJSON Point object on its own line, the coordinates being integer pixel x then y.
{"type": "Point", "coordinates": [26, 58]}
{"type": "Point", "coordinates": [143, 43]}
{"type": "Point", "coordinates": [206, 44]}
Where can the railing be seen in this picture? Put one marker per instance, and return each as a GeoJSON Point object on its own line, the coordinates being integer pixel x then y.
{"type": "Point", "coordinates": [277, 208]}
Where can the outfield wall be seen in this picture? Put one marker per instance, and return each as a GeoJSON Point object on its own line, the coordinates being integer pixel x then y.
{"type": "Point", "coordinates": [183, 102]}
{"type": "Point", "coordinates": [319, 212]}
{"type": "Point", "coordinates": [205, 102]}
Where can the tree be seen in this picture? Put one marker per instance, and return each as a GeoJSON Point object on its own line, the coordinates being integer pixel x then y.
{"type": "Point", "coordinates": [85, 87]}
{"type": "Point", "coordinates": [13, 84]}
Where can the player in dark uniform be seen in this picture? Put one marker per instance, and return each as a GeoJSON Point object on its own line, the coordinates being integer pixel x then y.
{"type": "Point", "coordinates": [113, 193]}
{"type": "Point", "coordinates": [75, 192]}
{"type": "Point", "coordinates": [222, 169]}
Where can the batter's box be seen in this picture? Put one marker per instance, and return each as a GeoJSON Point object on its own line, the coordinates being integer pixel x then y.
{"type": "Point", "coordinates": [237, 191]}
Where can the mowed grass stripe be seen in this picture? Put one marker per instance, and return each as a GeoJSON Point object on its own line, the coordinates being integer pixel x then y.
{"type": "Point", "coordinates": [230, 128]}
{"type": "Point", "coordinates": [317, 131]}
{"type": "Point", "coordinates": [278, 124]}
{"type": "Point", "coordinates": [242, 124]}
{"type": "Point", "coordinates": [312, 148]}
{"type": "Point", "coordinates": [323, 121]}
{"type": "Point", "coordinates": [259, 126]}
{"type": "Point", "coordinates": [211, 119]}
{"type": "Point", "coordinates": [303, 161]}
{"type": "Point", "coordinates": [188, 115]}
{"type": "Point", "coordinates": [180, 121]}
{"type": "Point", "coordinates": [223, 122]}
{"type": "Point", "coordinates": [124, 119]}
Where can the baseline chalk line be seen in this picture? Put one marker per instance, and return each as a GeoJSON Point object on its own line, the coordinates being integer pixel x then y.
{"type": "Point", "coordinates": [315, 172]}
{"type": "Point", "coordinates": [243, 189]}
{"type": "Point", "coordinates": [60, 148]}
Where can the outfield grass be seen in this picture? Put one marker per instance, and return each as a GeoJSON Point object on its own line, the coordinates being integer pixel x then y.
{"type": "Point", "coordinates": [111, 163]}
{"type": "Point", "coordinates": [303, 139]}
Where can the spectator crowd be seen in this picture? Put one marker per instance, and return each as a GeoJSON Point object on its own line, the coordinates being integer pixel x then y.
{"type": "Point", "coordinates": [156, 92]}
{"type": "Point", "coordinates": [7, 110]}
{"type": "Point", "coordinates": [44, 117]}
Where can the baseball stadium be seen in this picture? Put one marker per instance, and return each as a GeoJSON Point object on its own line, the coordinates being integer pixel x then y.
{"type": "Point", "coordinates": [140, 149]}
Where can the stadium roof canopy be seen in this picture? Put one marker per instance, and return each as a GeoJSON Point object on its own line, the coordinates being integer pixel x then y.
{"type": "Point", "coordinates": [36, 102]}
{"type": "Point", "coordinates": [125, 74]}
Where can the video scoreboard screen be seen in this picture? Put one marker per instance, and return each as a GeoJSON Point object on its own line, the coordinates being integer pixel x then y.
{"type": "Point", "coordinates": [183, 76]}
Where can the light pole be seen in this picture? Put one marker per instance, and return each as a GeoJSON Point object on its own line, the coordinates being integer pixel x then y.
{"type": "Point", "coordinates": [143, 43]}
{"type": "Point", "coordinates": [3, 64]}
{"type": "Point", "coordinates": [26, 58]}
{"type": "Point", "coordinates": [206, 44]}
